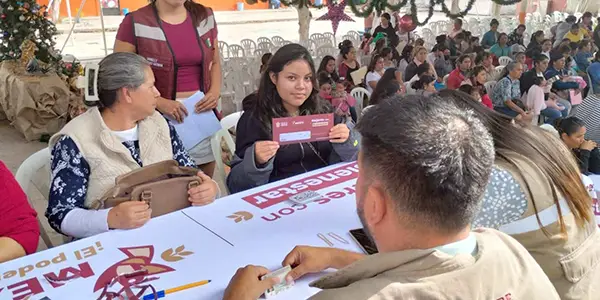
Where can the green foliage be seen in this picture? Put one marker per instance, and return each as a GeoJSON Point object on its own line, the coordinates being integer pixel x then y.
{"type": "Point", "coordinates": [22, 20]}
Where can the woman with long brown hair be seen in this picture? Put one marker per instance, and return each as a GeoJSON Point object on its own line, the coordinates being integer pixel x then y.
{"type": "Point", "coordinates": [536, 195]}
{"type": "Point", "coordinates": [179, 39]}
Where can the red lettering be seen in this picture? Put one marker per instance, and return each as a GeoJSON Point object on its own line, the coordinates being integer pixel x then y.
{"type": "Point", "coordinates": [350, 190]}
{"type": "Point", "coordinates": [300, 206]}
{"type": "Point", "coordinates": [335, 195]}
{"type": "Point", "coordinates": [322, 200]}
{"type": "Point", "coordinates": [21, 290]}
{"type": "Point", "coordinates": [286, 211]}
{"type": "Point", "coordinates": [274, 215]}
{"type": "Point", "coordinates": [316, 182]}
{"type": "Point", "coordinates": [69, 273]}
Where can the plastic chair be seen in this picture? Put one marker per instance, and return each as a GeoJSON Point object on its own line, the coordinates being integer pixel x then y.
{"type": "Point", "coordinates": [504, 60]}
{"type": "Point", "coordinates": [498, 71]}
{"type": "Point", "coordinates": [236, 51]}
{"type": "Point", "coordinates": [277, 40]}
{"type": "Point", "coordinates": [228, 122]}
{"type": "Point", "coordinates": [489, 87]}
{"type": "Point", "coordinates": [359, 94]}
{"type": "Point", "coordinates": [24, 176]}
{"type": "Point", "coordinates": [223, 49]}
{"type": "Point", "coordinates": [249, 46]}
{"type": "Point", "coordinates": [263, 39]}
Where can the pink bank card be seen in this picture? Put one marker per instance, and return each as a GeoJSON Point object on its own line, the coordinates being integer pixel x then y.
{"type": "Point", "coordinates": [301, 129]}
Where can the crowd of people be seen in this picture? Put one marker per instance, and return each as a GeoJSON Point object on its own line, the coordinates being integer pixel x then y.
{"type": "Point", "coordinates": [456, 183]}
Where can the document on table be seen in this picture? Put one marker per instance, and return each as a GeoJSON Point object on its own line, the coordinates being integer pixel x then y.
{"type": "Point", "coordinates": [196, 127]}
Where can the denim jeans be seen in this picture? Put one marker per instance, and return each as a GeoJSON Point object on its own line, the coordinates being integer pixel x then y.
{"type": "Point", "coordinates": [551, 114]}
{"type": "Point", "coordinates": [507, 111]}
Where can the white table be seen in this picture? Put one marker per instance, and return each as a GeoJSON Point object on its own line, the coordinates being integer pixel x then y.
{"type": "Point", "coordinates": [254, 227]}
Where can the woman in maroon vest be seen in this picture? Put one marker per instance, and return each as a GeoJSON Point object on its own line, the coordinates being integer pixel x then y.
{"type": "Point", "coordinates": [161, 32]}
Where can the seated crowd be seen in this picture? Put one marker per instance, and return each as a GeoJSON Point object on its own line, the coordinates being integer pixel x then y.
{"type": "Point", "coordinates": [457, 182]}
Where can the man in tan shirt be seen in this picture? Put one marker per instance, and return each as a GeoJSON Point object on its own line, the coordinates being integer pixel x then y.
{"type": "Point", "coordinates": [424, 166]}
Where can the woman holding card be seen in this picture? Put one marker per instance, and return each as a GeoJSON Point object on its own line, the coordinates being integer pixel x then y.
{"type": "Point", "coordinates": [121, 133]}
{"type": "Point", "coordinates": [179, 39]}
{"type": "Point", "coordinates": [287, 89]}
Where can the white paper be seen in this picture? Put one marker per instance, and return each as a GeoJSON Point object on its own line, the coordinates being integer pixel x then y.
{"type": "Point", "coordinates": [196, 127]}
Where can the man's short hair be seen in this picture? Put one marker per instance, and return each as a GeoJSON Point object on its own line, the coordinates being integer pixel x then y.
{"type": "Point", "coordinates": [431, 157]}
{"type": "Point", "coordinates": [462, 58]}
{"type": "Point", "coordinates": [571, 19]}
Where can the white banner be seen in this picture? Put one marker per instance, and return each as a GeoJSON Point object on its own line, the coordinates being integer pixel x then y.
{"type": "Point", "coordinates": [257, 227]}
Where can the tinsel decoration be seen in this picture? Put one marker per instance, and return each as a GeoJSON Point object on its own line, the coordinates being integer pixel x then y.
{"type": "Point", "coordinates": [335, 14]}
{"type": "Point", "coordinates": [290, 3]}
{"type": "Point", "coordinates": [365, 10]}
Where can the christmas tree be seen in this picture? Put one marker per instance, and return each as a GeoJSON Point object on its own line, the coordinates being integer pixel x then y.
{"type": "Point", "coordinates": [26, 20]}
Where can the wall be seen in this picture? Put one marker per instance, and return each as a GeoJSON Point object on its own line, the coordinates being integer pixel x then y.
{"type": "Point", "coordinates": [91, 8]}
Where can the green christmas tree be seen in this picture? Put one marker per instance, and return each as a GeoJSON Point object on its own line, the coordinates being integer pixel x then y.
{"type": "Point", "coordinates": [26, 20]}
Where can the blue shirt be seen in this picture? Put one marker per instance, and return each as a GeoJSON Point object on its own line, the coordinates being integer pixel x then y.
{"type": "Point", "coordinates": [505, 89]}
{"type": "Point", "coordinates": [71, 173]}
{"type": "Point", "coordinates": [500, 51]}
{"type": "Point", "coordinates": [594, 72]}
{"type": "Point", "coordinates": [582, 60]}
{"type": "Point", "coordinates": [489, 39]}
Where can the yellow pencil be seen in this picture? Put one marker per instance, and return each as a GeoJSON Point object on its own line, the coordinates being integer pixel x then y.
{"type": "Point", "coordinates": [163, 293]}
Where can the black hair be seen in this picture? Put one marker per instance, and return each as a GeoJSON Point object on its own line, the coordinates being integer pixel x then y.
{"type": "Point", "coordinates": [269, 104]}
{"type": "Point", "coordinates": [373, 62]}
{"type": "Point", "coordinates": [345, 43]}
{"type": "Point", "coordinates": [249, 101]}
{"type": "Point", "coordinates": [568, 125]}
{"type": "Point", "coordinates": [575, 26]}
{"type": "Point", "coordinates": [324, 78]}
{"type": "Point", "coordinates": [264, 60]}
{"type": "Point", "coordinates": [441, 190]}
{"type": "Point", "coordinates": [539, 58]}
{"type": "Point", "coordinates": [407, 52]}
{"type": "Point", "coordinates": [459, 21]}
{"type": "Point", "coordinates": [345, 50]}
{"type": "Point", "coordinates": [535, 35]}
{"type": "Point", "coordinates": [494, 22]}
{"type": "Point", "coordinates": [462, 58]}
{"type": "Point", "coordinates": [323, 67]}
{"type": "Point", "coordinates": [502, 34]}
{"type": "Point", "coordinates": [423, 69]}
{"type": "Point", "coordinates": [440, 47]}
{"type": "Point", "coordinates": [198, 12]}
{"type": "Point", "coordinates": [366, 36]}
{"type": "Point", "coordinates": [441, 39]}
{"type": "Point", "coordinates": [460, 36]}
{"type": "Point", "coordinates": [385, 51]}
{"type": "Point", "coordinates": [423, 81]}
{"type": "Point", "coordinates": [564, 49]}
{"type": "Point", "coordinates": [387, 17]}
{"type": "Point", "coordinates": [520, 26]}
{"type": "Point", "coordinates": [474, 72]}
{"type": "Point", "coordinates": [467, 89]}
{"type": "Point", "coordinates": [383, 90]}
{"type": "Point", "coordinates": [419, 42]}
{"type": "Point", "coordinates": [571, 19]}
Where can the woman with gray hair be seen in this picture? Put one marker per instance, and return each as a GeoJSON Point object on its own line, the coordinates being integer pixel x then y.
{"type": "Point", "coordinates": [121, 133]}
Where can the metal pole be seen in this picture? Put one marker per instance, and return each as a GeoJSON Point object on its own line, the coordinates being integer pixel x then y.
{"type": "Point", "coordinates": [102, 24]}
{"type": "Point", "coordinates": [73, 25]}
{"type": "Point", "coordinates": [70, 19]}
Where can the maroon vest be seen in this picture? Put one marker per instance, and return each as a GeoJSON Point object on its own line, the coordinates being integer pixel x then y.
{"type": "Point", "coordinates": [152, 43]}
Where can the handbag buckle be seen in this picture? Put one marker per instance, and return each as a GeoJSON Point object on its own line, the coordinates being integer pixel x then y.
{"type": "Point", "coordinates": [193, 184]}
{"type": "Point", "coordinates": [147, 196]}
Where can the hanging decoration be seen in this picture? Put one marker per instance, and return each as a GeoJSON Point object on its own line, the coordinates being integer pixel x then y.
{"type": "Point", "coordinates": [335, 14]}
{"type": "Point", "coordinates": [380, 6]}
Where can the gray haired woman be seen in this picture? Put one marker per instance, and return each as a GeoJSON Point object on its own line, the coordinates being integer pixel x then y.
{"type": "Point", "coordinates": [121, 133]}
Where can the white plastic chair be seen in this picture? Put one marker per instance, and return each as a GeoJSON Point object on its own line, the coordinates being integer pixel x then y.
{"type": "Point", "coordinates": [498, 71]}
{"type": "Point", "coordinates": [24, 176]}
{"type": "Point", "coordinates": [223, 49]}
{"type": "Point", "coordinates": [277, 40]}
{"type": "Point", "coordinates": [263, 39]}
{"type": "Point", "coordinates": [489, 87]}
{"type": "Point", "coordinates": [359, 94]}
{"type": "Point", "coordinates": [228, 122]}
{"type": "Point", "coordinates": [329, 36]}
{"type": "Point", "coordinates": [249, 46]}
{"type": "Point", "coordinates": [266, 46]}
{"type": "Point", "coordinates": [504, 60]}
{"type": "Point", "coordinates": [236, 51]}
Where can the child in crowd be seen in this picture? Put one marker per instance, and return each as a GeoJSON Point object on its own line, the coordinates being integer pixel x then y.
{"type": "Point", "coordinates": [365, 45]}
{"type": "Point", "coordinates": [343, 103]}
{"type": "Point", "coordinates": [425, 85]}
